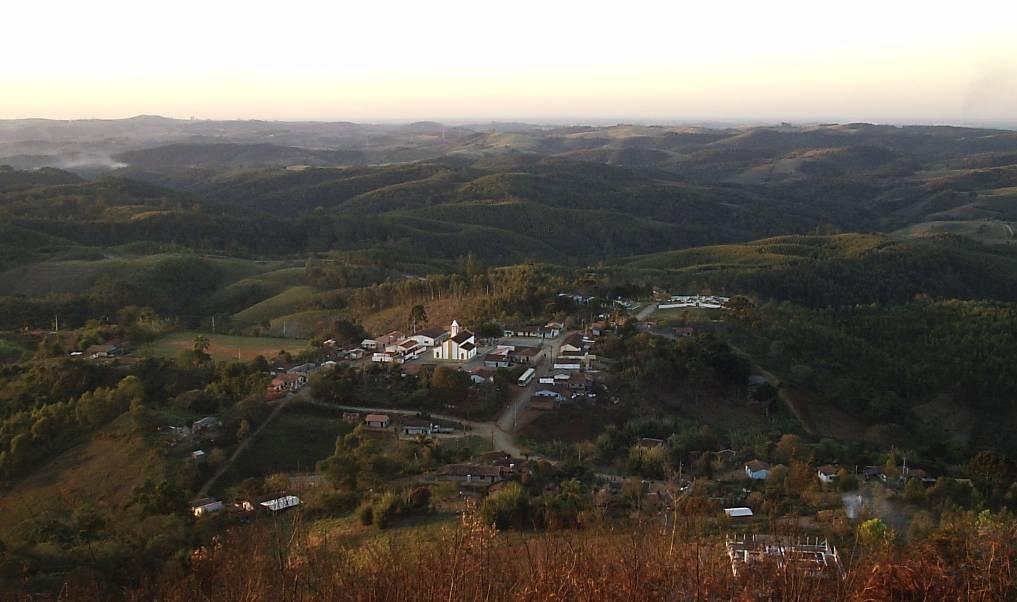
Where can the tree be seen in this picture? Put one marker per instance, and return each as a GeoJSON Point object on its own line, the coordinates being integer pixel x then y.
{"type": "Point", "coordinates": [874, 533]}
{"type": "Point", "coordinates": [418, 315]}
{"type": "Point", "coordinates": [914, 491]}
{"type": "Point", "coordinates": [201, 344]}
{"type": "Point", "coordinates": [788, 448]}
{"type": "Point", "coordinates": [244, 430]}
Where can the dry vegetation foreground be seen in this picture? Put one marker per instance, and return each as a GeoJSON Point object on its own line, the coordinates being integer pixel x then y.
{"type": "Point", "coordinates": [469, 561]}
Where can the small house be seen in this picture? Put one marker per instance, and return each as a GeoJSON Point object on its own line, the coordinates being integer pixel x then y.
{"type": "Point", "coordinates": [497, 360]}
{"type": "Point", "coordinates": [573, 343]}
{"type": "Point", "coordinates": [740, 512]}
{"type": "Point", "coordinates": [205, 506]}
{"type": "Point", "coordinates": [827, 473]}
{"type": "Point", "coordinates": [95, 352]}
{"type": "Point", "coordinates": [416, 426]}
{"type": "Point", "coordinates": [369, 344]}
{"type": "Point", "coordinates": [281, 503]}
{"type": "Point", "coordinates": [377, 421]}
{"type": "Point", "coordinates": [552, 329]}
{"type": "Point", "coordinates": [430, 337]}
{"type": "Point", "coordinates": [481, 375]}
{"type": "Point", "coordinates": [580, 383]}
{"type": "Point", "coordinates": [757, 470]}
{"type": "Point", "coordinates": [525, 355]}
{"type": "Point", "coordinates": [208, 423]}
{"type": "Point", "coordinates": [472, 473]}
{"type": "Point", "coordinates": [553, 392]}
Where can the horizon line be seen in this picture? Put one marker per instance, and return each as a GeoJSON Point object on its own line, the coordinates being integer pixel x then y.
{"type": "Point", "coordinates": [1008, 123]}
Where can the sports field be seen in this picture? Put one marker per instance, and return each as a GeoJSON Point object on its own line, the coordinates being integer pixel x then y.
{"type": "Point", "coordinates": [224, 347]}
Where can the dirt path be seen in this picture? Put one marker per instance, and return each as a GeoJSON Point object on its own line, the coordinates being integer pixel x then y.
{"type": "Point", "coordinates": [203, 492]}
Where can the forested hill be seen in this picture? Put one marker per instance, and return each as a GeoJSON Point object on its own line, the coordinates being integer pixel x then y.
{"type": "Point", "coordinates": [838, 271]}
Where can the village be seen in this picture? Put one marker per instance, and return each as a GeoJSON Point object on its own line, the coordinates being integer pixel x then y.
{"type": "Point", "coordinates": [552, 367]}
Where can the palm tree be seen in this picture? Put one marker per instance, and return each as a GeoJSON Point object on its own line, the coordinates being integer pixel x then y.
{"type": "Point", "coordinates": [201, 344]}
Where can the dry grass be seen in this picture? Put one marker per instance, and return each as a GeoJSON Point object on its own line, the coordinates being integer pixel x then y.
{"type": "Point", "coordinates": [102, 471]}
{"type": "Point", "coordinates": [273, 561]}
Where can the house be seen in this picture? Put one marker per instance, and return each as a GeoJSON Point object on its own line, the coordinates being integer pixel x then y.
{"type": "Point", "coordinates": [198, 455]}
{"type": "Point", "coordinates": [740, 512]}
{"type": "Point", "coordinates": [573, 343]}
{"type": "Point", "coordinates": [351, 417]}
{"type": "Point", "coordinates": [354, 354]}
{"type": "Point", "coordinates": [525, 355]}
{"type": "Point", "coordinates": [827, 473]}
{"type": "Point", "coordinates": [531, 330]}
{"type": "Point", "coordinates": [872, 472]}
{"type": "Point", "coordinates": [757, 470]}
{"type": "Point", "coordinates": [580, 383]}
{"type": "Point", "coordinates": [461, 345]}
{"type": "Point", "coordinates": [386, 357]}
{"type": "Point", "coordinates": [369, 344]}
{"type": "Point", "coordinates": [305, 369]}
{"type": "Point", "coordinates": [208, 423]}
{"type": "Point", "coordinates": [917, 473]}
{"type": "Point", "coordinates": [497, 360]}
{"type": "Point", "coordinates": [481, 375]}
{"type": "Point", "coordinates": [281, 503]}
{"type": "Point", "coordinates": [205, 506]}
{"type": "Point", "coordinates": [555, 391]}
{"type": "Point", "coordinates": [472, 473]}
{"type": "Point", "coordinates": [288, 381]}
{"type": "Point", "coordinates": [416, 426]}
{"type": "Point", "coordinates": [95, 352]}
{"type": "Point", "coordinates": [599, 328]}
{"type": "Point", "coordinates": [389, 341]}
{"type": "Point", "coordinates": [377, 421]}
{"type": "Point", "coordinates": [409, 349]}
{"type": "Point", "coordinates": [430, 337]}
{"type": "Point", "coordinates": [552, 329]}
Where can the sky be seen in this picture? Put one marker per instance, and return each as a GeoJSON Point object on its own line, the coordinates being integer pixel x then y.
{"type": "Point", "coordinates": [383, 60]}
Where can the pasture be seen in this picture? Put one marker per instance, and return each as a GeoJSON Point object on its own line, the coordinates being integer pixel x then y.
{"type": "Point", "coordinates": [223, 347]}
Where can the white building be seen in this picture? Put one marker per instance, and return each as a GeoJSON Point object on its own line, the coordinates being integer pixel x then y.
{"type": "Point", "coordinates": [461, 345]}
{"type": "Point", "coordinates": [757, 470]}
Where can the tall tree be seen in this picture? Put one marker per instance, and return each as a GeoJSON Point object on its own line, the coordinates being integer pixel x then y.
{"type": "Point", "coordinates": [418, 316]}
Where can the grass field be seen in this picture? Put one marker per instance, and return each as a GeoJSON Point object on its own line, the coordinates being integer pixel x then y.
{"type": "Point", "coordinates": [222, 347]}
{"type": "Point", "coordinates": [103, 470]}
{"type": "Point", "coordinates": [294, 442]}
{"type": "Point", "coordinates": [981, 230]}
{"type": "Point", "coordinates": [286, 302]}
{"type": "Point", "coordinates": [676, 316]}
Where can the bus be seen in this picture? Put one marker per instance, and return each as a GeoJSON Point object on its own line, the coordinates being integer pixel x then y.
{"type": "Point", "coordinates": [527, 377]}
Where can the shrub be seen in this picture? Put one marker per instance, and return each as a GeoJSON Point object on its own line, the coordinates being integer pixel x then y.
{"type": "Point", "coordinates": [365, 513]}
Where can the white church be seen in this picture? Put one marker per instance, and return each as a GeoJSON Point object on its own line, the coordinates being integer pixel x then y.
{"type": "Point", "coordinates": [460, 345]}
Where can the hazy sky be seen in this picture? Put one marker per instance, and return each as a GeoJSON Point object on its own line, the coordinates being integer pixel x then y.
{"type": "Point", "coordinates": [362, 59]}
